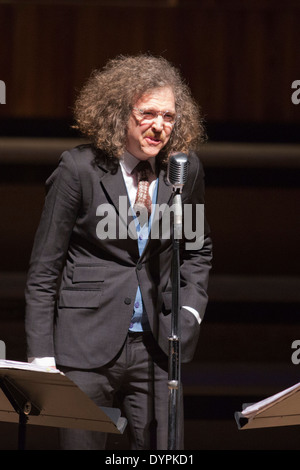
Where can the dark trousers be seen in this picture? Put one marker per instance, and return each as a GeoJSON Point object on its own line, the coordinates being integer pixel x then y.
{"type": "Point", "coordinates": [138, 378]}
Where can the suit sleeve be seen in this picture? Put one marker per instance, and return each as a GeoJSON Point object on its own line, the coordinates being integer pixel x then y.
{"type": "Point", "coordinates": [50, 247]}
{"type": "Point", "coordinates": [196, 257]}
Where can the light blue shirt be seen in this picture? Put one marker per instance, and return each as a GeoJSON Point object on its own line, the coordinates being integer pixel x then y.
{"type": "Point", "coordinates": [139, 321]}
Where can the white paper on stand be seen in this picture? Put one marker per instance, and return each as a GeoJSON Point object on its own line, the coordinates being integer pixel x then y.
{"type": "Point", "coordinates": [5, 364]}
{"type": "Point", "coordinates": [281, 409]}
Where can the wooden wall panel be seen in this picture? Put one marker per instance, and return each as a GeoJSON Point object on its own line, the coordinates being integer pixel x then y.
{"type": "Point", "coordinates": [239, 58]}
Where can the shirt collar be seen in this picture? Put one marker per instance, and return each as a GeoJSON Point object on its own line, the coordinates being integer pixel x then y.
{"type": "Point", "coordinates": [129, 162]}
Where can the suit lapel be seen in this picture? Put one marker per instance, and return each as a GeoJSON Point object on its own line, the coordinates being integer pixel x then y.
{"type": "Point", "coordinates": [115, 189]}
{"type": "Point", "coordinates": [165, 190]}
{"type": "Point", "coordinates": [114, 186]}
{"type": "Point", "coordinates": [164, 199]}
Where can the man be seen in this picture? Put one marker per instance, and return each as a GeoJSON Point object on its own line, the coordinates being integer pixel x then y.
{"type": "Point", "coordinates": [99, 291]}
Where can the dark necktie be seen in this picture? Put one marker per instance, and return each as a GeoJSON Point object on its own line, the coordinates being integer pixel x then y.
{"type": "Point", "coordinates": [143, 201]}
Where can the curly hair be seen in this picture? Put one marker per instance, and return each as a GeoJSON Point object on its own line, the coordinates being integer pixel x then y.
{"type": "Point", "coordinates": [104, 104]}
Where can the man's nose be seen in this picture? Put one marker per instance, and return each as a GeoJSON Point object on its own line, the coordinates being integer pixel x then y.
{"type": "Point", "coordinates": [158, 123]}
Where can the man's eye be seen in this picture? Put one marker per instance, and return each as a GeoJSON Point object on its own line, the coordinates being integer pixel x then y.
{"type": "Point", "coordinates": [148, 114]}
{"type": "Point", "coordinates": [169, 117]}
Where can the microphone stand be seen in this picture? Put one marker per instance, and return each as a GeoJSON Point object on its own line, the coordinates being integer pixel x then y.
{"type": "Point", "coordinates": [174, 379]}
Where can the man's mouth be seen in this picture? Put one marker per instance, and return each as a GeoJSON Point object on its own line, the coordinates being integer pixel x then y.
{"type": "Point", "coordinates": [152, 139]}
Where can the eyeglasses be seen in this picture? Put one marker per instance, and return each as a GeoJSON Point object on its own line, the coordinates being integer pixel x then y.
{"type": "Point", "coordinates": [151, 114]}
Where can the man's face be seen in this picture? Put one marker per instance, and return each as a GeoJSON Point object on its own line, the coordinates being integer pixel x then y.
{"type": "Point", "coordinates": [146, 137]}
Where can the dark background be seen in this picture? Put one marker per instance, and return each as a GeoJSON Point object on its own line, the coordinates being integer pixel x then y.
{"type": "Point", "coordinates": [240, 59]}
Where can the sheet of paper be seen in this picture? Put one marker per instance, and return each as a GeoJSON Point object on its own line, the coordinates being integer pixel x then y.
{"type": "Point", "coordinates": [262, 405]}
{"type": "Point", "coordinates": [5, 364]}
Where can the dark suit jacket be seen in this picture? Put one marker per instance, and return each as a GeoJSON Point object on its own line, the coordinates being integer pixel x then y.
{"type": "Point", "coordinates": [81, 289]}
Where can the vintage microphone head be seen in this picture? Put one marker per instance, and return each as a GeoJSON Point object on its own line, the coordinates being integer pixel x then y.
{"type": "Point", "coordinates": [178, 170]}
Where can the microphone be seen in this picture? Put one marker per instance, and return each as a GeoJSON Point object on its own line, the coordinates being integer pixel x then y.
{"type": "Point", "coordinates": [177, 176]}
{"type": "Point", "coordinates": [178, 170]}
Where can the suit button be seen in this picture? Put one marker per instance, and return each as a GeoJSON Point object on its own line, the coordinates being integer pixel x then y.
{"type": "Point", "coordinates": [139, 266]}
{"type": "Point", "coordinates": [127, 301]}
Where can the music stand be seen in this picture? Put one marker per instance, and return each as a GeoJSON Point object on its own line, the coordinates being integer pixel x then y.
{"type": "Point", "coordinates": [281, 409]}
{"type": "Point", "coordinates": [39, 396]}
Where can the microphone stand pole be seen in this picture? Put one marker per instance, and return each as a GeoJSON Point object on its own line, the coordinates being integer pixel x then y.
{"type": "Point", "coordinates": [174, 379]}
